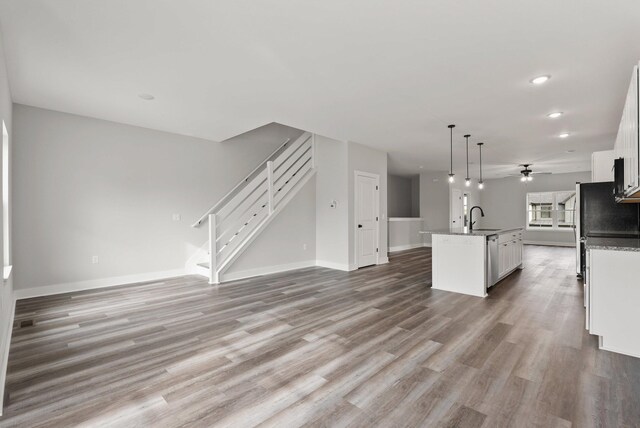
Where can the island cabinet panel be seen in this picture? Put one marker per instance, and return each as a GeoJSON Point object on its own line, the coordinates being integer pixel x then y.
{"type": "Point", "coordinates": [613, 301]}
{"type": "Point", "coordinates": [459, 264]}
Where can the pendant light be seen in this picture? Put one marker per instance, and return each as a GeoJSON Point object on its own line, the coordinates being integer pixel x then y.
{"type": "Point", "coordinates": [480, 182]}
{"type": "Point", "coordinates": [467, 180]}
{"type": "Point", "coordinates": [451, 174]}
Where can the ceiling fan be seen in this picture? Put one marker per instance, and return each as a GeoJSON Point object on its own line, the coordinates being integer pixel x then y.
{"type": "Point", "coordinates": [527, 173]}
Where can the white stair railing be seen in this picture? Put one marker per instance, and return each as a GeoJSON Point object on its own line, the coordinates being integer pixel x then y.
{"type": "Point", "coordinates": [241, 214]}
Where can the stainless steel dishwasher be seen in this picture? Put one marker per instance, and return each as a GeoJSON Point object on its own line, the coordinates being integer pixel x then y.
{"type": "Point", "coordinates": [492, 260]}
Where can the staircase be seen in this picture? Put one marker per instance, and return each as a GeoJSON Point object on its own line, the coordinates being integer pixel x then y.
{"type": "Point", "coordinates": [243, 213]}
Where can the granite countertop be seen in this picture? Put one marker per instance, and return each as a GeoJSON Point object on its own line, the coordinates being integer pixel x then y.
{"type": "Point", "coordinates": [476, 232]}
{"type": "Point", "coordinates": [616, 244]}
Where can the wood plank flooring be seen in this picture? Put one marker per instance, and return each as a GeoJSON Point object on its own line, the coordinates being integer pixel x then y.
{"type": "Point", "coordinates": [316, 347]}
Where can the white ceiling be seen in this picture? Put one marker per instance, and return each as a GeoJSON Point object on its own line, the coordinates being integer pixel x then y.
{"type": "Point", "coordinates": [389, 74]}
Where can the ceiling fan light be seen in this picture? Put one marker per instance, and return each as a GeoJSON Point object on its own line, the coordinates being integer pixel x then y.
{"type": "Point", "coordinates": [529, 178]}
{"type": "Point", "coordinates": [523, 178]}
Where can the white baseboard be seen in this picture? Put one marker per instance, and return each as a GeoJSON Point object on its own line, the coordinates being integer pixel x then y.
{"type": "Point", "coordinates": [428, 245]}
{"type": "Point", "coordinates": [232, 276]}
{"type": "Point", "coordinates": [550, 243]}
{"type": "Point", "coordinates": [404, 247]}
{"type": "Point", "coordinates": [47, 290]}
{"type": "Point", "coordinates": [333, 265]}
{"type": "Point", "coordinates": [5, 353]}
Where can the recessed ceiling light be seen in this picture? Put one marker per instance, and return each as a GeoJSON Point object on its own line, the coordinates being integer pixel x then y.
{"type": "Point", "coordinates": [146, 97]}
{"type": "Point", "coordinates": [540, 79]}
{"type": "Point", "coordinates": [555, 114]}
{"type": "Point", "coordinates": [564, 135]}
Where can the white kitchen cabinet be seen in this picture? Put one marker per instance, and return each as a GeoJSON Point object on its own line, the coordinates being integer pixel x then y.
{"type": "Point", "coordinates": [602, 166]}
{"type": "Point", "coordinates": [627, 144]}
{"type": "Point", "coordinates": [612, 301]}
{"type": "Point", "coordinates": [509, 252]}
{"type": "Point", "coordinates": [503, 262]}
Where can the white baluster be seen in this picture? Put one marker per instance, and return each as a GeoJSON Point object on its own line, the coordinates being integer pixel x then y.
{"type": "Point", "coordinates": [213, 262]}
{"type": "Point", "coordinates": [270, 183]}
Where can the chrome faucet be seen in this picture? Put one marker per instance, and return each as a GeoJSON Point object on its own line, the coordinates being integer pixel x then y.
{"type": "Point", "coordinates": [471, 222]}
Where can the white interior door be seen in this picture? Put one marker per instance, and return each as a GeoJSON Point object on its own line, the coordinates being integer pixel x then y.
{"type": "Point", "coordinates": [366, 216]}
{"type": "Point", "coordinates": [456, 208]}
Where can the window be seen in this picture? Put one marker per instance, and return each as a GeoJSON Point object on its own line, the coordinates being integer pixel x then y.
{"type": "Point", "coordinates": [551, 210]}
{"type": "Point", "coordinates": [465, 211]}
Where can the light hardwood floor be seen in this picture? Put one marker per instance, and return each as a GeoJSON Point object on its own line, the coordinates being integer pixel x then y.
{"type": "Point", "coordinates": [317, 347]}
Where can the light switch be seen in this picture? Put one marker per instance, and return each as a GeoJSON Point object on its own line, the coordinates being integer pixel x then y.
{"type": "Point", "coordinates": [176, 217]}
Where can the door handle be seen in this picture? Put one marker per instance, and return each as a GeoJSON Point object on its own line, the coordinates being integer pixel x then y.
{"type": "Point", "coordinates": [359, 226]}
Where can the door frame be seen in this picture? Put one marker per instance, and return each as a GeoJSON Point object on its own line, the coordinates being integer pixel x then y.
{"type": "Point", "coordinates": [376, 177]}
{"type": "Point", "coordinates": [451, 200]}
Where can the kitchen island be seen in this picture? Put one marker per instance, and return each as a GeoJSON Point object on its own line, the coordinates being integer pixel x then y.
{"type": "Point", "coordinates": [469, 262]}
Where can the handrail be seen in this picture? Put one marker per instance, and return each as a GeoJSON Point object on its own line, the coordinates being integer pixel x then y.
{"type": "Point", "coordinates": [243, 181]}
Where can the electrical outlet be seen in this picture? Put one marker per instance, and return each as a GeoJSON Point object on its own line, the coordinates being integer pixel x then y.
{"type": "Point", "coordinates": [176, 217]}
{"type": "Point", "coordinates": [304, 246]}
{"type": "Point", "coordinates": [95, 260]}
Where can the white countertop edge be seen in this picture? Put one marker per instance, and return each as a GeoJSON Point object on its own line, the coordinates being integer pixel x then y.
{"type": "Point", "coordinates": [405, 219]}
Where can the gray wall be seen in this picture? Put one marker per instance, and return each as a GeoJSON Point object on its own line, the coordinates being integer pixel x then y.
{"type": "Point", "coordinates": [415, 196]}
{"type": "Point", "coordinates": [434, 202]}
{"type": "Point", "coordinates": [504, 203]}
{"type": "Point", "coordinates": [332, 224]}
{"type": "Point", "coordinates": [6, 289]}
{"type": "Point", "coordinates": [399, 192]}
{"type": "Point", "coordinates": [86, 187]}
{"type": "Point", "coordinates": [292, 233]}
{"type": "Point", "coordinates": [405, 234]}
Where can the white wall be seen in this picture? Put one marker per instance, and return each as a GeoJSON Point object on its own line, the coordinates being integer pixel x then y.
{"type": "Point", "coordinates": [434, 202]}
{"type": "Point", "coordinates": [366, 159]}
{"type": "Point", "coordinates": [86, 187]}
{"type": "Point", "coordinates": [504, 203]}
{"type": "Point", "coordinates": [399, 194]}
{"type": "Point", "coordinates": [6, 288]}
{"type": "Point", "coordinates": [332, 224]}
